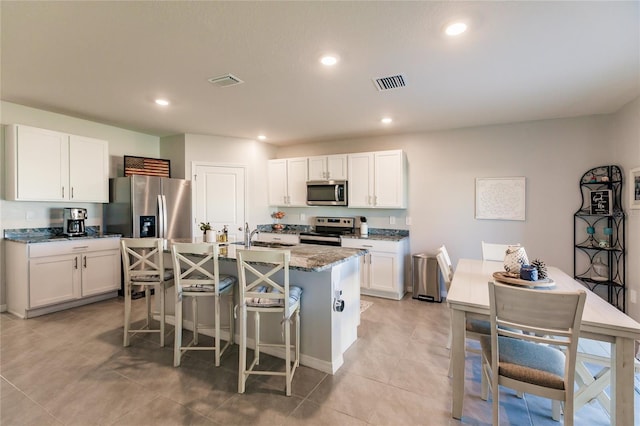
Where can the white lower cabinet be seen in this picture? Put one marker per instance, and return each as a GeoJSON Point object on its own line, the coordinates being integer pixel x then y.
{"type": "Point", "coordinates": [273, 237]}
{"type": "Point", "coordinates": [53, 279]}
{"type": "Point", "coordinates": [51, 276]}
{"type": "Point", "coordinates": [382, 270]}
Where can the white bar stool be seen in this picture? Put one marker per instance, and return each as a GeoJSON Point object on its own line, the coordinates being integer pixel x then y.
{"type": "Point", "coordinates": [260, 293]}
{"type": "Point", "coordinates": [197, 275]}
{"type": "Point", "coordinates": [144, 267]}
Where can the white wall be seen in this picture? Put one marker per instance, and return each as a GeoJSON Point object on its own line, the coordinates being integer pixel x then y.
{"type": "Point", "coordinates": [624, 137]}
{"type": "Point", "coordinates": [121, 142]}
{"type": "Point", "coordinates": [551, 154]}
{"type": "Point", "coordinates": [221, 150]}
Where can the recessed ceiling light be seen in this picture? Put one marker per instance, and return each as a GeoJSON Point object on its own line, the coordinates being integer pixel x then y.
{"type": "Point", "coordinates": [329, 60]}
{"type": "Point", "coordinates": [386, 120]}
{"type": "Point", "coordinates": [455, 29]}
{"type": "Point", "coordinates": [162, 102]}
{"type": "Point", "coordinates": [262, 137]}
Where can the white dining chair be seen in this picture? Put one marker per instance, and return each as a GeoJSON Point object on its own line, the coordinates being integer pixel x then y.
{"type": "Point", "coordinates": [197, 276]}
{"type": "Point", "coordinates": [491, 251]}
{"type": "Point", "coordinates": [143, 267]}
{"type": "Point", "coordinates": [447, 260]}
{"type": "Point", "coordinates": [260, 293]}
{"type": "Point", "coordinates": [528, 328]}
{"type": "Point", "coordinates": [445, 270]}
{"type": "Point", "coordinates": [474, 328]}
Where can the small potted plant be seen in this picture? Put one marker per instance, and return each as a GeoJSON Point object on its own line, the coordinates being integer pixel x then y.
{"type": "Point", "coordinates": [277, 216]}
{"type": "Point", "coordinates": [205, 227]}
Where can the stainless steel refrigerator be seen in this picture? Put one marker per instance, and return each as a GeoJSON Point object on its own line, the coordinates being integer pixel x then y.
{"type": "Point", "coordinates": [149, 206]}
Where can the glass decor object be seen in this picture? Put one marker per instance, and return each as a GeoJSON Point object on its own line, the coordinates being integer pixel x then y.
{"type": "Point", "coordinates": [591, 240]}
{"type": "Point", "coordinates": [600, 270]}
{"type": "Point", "coordinates": [277, 226]}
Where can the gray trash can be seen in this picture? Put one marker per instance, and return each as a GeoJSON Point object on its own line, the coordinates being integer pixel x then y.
{"type": "Point", "coordinates": [426, 280]}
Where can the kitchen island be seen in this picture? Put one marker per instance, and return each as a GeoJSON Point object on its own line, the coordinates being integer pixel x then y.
{"type": "Point", "coordinates": [324, 273]}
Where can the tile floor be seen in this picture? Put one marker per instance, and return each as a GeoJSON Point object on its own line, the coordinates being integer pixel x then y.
{"type": "Point", "coordinates": [69, 368]}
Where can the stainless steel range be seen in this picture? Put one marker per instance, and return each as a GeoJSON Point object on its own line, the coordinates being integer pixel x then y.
{"type": "Point", "coordinates": [327, 230]}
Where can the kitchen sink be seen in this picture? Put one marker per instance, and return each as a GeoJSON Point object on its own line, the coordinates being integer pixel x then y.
{"type": "Point", "coordinates": [271, 244]}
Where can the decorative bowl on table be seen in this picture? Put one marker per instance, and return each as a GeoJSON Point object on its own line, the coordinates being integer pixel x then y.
{"type": "Point", "coordinates": [509, 278]}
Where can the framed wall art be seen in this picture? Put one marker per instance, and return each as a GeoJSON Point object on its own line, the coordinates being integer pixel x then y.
{"type": "Point", "coordinates": [500, 198]}
{"type": "Point", "coordinates": [634, 188]}
{"type": "Point", "coordinates": [601, 201]}
{"type": "Point", "coordinates": [146, 166]}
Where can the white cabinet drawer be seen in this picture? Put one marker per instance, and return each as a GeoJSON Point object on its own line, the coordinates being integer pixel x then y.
{"type": "Point", "coordinates": [272, 237]}
{"type": "Point", "coordinates": [373, 245]}
{"type": "Point", "coordinates": [70, 247]}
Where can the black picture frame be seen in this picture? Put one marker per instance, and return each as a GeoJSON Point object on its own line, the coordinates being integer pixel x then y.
{"type": "Point", "coordinates": [601, 201]}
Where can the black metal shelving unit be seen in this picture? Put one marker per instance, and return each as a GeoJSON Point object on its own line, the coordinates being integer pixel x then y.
{"type": "Point", "coordinates": [599, 258]}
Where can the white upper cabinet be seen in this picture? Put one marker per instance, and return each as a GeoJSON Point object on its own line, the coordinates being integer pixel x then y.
{"type": "Point", "coordinates": [37, 162]}
{"type": "Point", "coordinates": [332, 167]}
{"type": "Point", "coordinates": [361, 180]}
{"type": "Point", "coordinates": [89, 171]}
{"type": "Point", "coordinates": [44, 165]}
{"type": "Point", "coordinates": [377, 179]}
{"type": "Point", "coordinates": [288, 182]}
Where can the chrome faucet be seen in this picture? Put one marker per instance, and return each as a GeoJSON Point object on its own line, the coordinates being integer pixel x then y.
{"type": "Point", "coordinates": [248, 235]}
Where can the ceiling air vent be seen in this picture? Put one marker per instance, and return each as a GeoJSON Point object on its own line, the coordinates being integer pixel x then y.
{"type": "Point", "coordinates": [391, 82]}
{"type": "Point", "coordinates": [225, 80]}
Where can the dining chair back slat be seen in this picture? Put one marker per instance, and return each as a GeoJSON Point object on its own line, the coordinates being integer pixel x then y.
{"type": "Point", "coordinates": [533, 344]}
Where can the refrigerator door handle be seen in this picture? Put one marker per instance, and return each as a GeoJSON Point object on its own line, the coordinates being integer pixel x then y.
{"type": "Point", "coordinates": [165, 219]}
{"type": "Point", "coordinates": [160, 217]}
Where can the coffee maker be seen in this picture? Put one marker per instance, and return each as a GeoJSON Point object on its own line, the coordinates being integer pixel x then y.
{"type": "Point", "coordinates": [73, 222]}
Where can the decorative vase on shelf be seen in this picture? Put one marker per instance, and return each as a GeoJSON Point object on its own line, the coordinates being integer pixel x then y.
{"type": "Point", "coordinates": [600, 271]}
{"type": "Point", "coordinates": [591, 241]}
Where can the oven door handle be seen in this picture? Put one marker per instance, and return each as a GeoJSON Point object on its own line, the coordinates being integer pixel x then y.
{"type": "Point", "coordinates": [318, 238]}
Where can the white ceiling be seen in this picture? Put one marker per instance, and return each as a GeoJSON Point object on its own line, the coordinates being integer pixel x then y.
{"type": "Point", "coordinates": [519, 61]}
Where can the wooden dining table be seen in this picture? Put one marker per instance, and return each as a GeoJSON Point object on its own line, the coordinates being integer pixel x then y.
{"type": "Point", "coordinates": [468, 297]}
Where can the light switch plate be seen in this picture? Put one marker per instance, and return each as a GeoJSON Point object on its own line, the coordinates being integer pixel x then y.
{"type": "Point", "coordinates": [407, 221]}
{"type": "Point", "coordinates": [633, 296]}
{"type": "Point", "coordinates": [392, 220]}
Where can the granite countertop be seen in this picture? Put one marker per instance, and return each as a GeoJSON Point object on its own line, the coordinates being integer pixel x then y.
{"type": "Point", "coordinates": [379, 234]}
{"type": "Point", "coordinates": [378, 237]}
{"type": "Point", "coordinates": [304, 257]}
{"type": "Point", "coordinates": [50, 235]}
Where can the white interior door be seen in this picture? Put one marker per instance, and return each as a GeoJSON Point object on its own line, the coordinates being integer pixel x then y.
{"type": "Point", "coordinates": [219, 198]}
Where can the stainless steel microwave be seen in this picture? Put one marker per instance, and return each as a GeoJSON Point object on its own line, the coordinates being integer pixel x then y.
{"type": "Point", "coordinates": [327, 193]}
